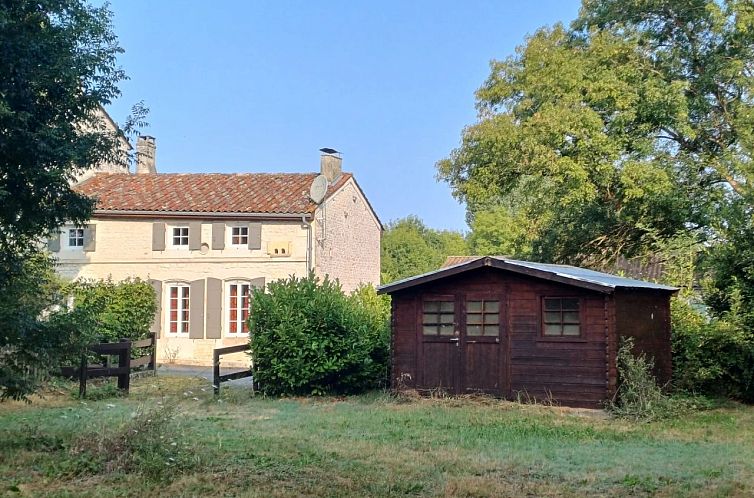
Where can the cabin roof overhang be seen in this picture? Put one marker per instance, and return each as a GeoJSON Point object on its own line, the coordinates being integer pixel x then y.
{"type": "Point", "coordinates": [568, 275]}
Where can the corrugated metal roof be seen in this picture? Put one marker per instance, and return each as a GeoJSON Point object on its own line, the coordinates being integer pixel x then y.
{"type": "Point", "coordinates": [573, 275]}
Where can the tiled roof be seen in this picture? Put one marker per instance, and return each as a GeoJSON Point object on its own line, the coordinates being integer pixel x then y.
{"type": "Point", "coordinates": [279, 193]}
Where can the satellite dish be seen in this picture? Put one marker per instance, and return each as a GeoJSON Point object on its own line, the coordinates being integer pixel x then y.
{"type": "Point", "coordinates": [318, 189]}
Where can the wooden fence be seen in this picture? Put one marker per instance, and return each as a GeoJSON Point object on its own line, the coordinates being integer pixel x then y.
{"type": "Point", "coordinates": [126, 364]}
{"type": "Point", "coordinates": [216, 377]}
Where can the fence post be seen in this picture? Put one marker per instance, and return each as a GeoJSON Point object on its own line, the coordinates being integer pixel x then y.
{"type": "Point", "coordinates": [124, 361]}
{"type": "Point", "coordinates": [153, 365]}
{"type": "Point", "coordinates": [82, 376]}
{"type": "Point", "coordinates": [216, 371]}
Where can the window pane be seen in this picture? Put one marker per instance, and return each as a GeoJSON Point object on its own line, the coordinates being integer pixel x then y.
{"type": "Point", "coordinates": [491, 306]}
{"type": "Point", "coordinates": [552, 304]}
{"type": "Point", "coordinates": [491, 318]}
{"type": "Point", "coordinates": [429, 330]}
{"type": "Point", "coordinates": [447, 306]}
{"type": "Point", "coordinates": [474, 330]}
{"type": "Point", "coordinates": [446, 318]}
{"type": "Point", "coordinates": [447, 330]}
{"type": "Point", "coordinates": [233, 326]}
{"type": "Point", "coordinates": [552, 317]}
{"type": "Point", "coordinates": [429, 318]}
{"type": "Point", "coordinates": [570, 304]}
{"type": "Point", "coordinates": [431, 305]}
{"type": "Point", "coordinates": [570, 317]}
{"type": "Point", "coordinates": [473, 306]}
{"type": "Point", "coordinates": [491, 330]}
{"type": "Point", "coordinates": [474, 319]}
{"type": "Point", "coordinates": [552, 329]}
{"type": "Point", "coordinates": [571, 330]}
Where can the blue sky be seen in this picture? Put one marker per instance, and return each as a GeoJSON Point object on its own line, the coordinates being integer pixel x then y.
{"type": "Point", "coordinates": [237, 86]}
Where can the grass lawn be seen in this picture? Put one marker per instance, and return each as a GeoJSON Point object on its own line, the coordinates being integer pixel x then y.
{"type": "Point", "coordinates": [370, 445]}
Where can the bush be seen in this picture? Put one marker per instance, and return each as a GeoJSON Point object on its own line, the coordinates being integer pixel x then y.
{"type": "Point", "coordinates": [710, 355]}
{"type": "Point", "coordinates": [121, 310]}
{"type": "Point", "coordinates": [308, 337]}
{"type": "Point", "coordinates": [638, 396]}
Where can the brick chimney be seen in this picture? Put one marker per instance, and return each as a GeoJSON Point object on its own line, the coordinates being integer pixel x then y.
{"type": "Point", "coordinates": [331, 164]}
{"type": "Point", "coordinates": [145, 155]}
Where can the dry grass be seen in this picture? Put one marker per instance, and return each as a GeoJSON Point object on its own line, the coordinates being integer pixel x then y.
{"type": "Point", "coordinates": [371, 445]}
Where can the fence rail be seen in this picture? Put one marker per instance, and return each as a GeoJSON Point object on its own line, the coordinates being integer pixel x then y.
{"type": "Point", "coordinates": [122, 350]}
{"type": "Point", "coordinates": [216, 377]}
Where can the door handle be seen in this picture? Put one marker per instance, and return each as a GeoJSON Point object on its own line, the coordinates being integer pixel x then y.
{"type": "Point", "coordinates": [454, 339]}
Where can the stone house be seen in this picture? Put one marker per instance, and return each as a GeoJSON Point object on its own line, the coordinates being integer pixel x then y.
{"type": "Point", "coordinates": [204, 240]}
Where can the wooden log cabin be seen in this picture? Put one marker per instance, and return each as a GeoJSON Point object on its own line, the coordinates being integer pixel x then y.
{"type": "Point", "coordinates": [519, 329]}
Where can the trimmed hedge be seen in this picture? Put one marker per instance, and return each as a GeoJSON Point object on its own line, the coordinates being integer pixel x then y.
{"type": "Point", "coordinates": [308, 338]}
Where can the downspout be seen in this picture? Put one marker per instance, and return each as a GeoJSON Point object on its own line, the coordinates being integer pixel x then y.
{"type": "Point", "coordinates": [308, 226]}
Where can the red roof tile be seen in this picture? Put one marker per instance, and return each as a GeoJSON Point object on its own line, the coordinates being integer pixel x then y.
{"type": "Point", "coordinates": [281, 193]}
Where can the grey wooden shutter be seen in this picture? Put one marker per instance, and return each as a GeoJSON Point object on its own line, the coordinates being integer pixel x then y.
{"type": "Point", "coordinates": [90, 238]}
{"type": "Point", "coordinates": [218, 235]}
{"type": "Point", "coordinates": [257, 283]}
{"type": "Point", "coordinates": [158, 236]}
{"type": "Point", "coordinates": [53, 243]}
{"type": "Point", "coordinates": [214, 308]}
{"type": "Point", "coordinates": [195, 235]}
{"type": "Point", "coordinates": [196, 309]}
{"type": "Point", "coordinates": [255, 235]}
{"type": "Point", "coordinates": [157, 323]}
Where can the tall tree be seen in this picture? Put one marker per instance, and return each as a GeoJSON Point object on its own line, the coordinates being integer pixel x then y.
{"type": "Point", "coordinates": [57, 69]}
{"type": "Point", "coordinates": [630, 127]}
{"type": "Point", "coordinates": [410, 248]}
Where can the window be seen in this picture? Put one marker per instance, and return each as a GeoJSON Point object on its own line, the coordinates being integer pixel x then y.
{"type": "Point", "coordinates": [239, 236]}
{"type": "Point", "coordinates": [178, 309]}
{"type": "Point", "coordinates": [561, 317]}
{"type": "Point", "coordinates": [75, 237]}
{"type": "Point", "coordinates": [483, 318]}
{"type": "Point", "coordinates": [180, 236]}
{"type": "Point", "coordinates": [439, 318]}
{"type": "Point", "coordinates": [238, 307]}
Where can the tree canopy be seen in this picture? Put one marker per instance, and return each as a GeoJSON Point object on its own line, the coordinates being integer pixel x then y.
{"type": "Point", "coordinates": [634, 125]}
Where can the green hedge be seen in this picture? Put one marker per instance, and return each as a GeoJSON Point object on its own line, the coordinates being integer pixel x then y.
{"type": "Point", "coordinates": [308, 337]}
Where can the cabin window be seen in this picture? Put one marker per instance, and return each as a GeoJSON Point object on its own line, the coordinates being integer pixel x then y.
{"type": "Point", "coordinates": [438, 318]}
{"type": "Point", "coordinates": [180, 236]}
{"type": "Point", "coordinates": [239, 236]}
{"type": "Point", "coordinates": [178, 309]}
{"type": "Point", "coordinates": [483, 318]}
{"type": "Point", "coordinates": [561, 317]}
{"type": "Point", "coordinates": [238, 308]}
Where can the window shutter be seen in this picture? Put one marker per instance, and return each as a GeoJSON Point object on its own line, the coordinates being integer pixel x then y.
{"type": "Point", "coordinates": [90, 238]}
{"type": "Point", "coordinates": [196, 309]}
{"type": "Point", "coordinates": [257, 283]}
{"type": "Point", "coordinates": [157, 323]}
{"type": "Point", "coordinates": [255, 235]}
{"type": "Point", "coordinates": [218, 235]}
{"type": "Point", "coordinates": [158, 236]}
{"type": "Point", "coordinates": [195, 235]}
{"type": "Point", "coordinates": [214, 308]}
{"type": "Point", "coordinates": [53, 243]}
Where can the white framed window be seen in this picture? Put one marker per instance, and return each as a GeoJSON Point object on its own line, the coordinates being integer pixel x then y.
{"type": "Point", "coordinates": [179, 236]}
{"type": "Point", "coordinates": [177, 321]}
{"type": "Point", "coordinates": [239, 236]}
{"type": "Point", "coordinates": [75, 237]}
{"type": "Point", "coordinates": [238, 294]}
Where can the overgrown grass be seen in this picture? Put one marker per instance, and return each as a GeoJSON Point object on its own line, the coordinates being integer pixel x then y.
{"type": "Point", "coordinates": [370, 445]}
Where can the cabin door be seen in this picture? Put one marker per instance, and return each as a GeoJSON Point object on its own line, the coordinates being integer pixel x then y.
{"type": "Point", "coordinates": [481, 339]}
{"type": "Point", "coordinates": [461, 343]}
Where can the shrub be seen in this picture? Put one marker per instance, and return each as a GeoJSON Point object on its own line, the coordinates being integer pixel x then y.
{"type": "Point", "coordinates": [638, 396]}
{"type": "Point", "coordinates": [308, 337]}
{"type": "Point", "coordinates": [121, 310]}
{"type": "Point", "coordinates": [711, 355]}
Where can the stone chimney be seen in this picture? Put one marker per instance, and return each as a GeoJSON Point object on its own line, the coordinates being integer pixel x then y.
{"type": "Point", "coordinates": [331, 164]}
{"type": "Point", "coordinates": [145, 155]}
